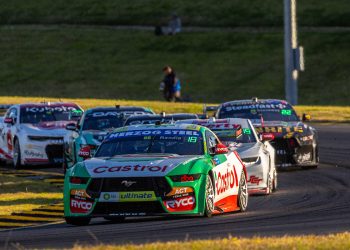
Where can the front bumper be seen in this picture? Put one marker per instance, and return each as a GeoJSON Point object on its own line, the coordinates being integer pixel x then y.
{"type": "Point", "coordinates": [289, 153]}
{"type": "Point", "coordinates": [162, 198]}
{"type": "Point", "coordinates": [42, 153]}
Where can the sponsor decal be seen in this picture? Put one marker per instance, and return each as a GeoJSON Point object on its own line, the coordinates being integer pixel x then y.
{"type": "Point", "coordinates": [178, 132]}
{"type": "Point", "coordinates": [33, 154]}
{"type": "Point", "coordinates": [104, 114]}
{"type": "Point", "coordinates": [307, 138]}
{"type": "Point", "coordinates": [180, 204]}
{"type": "Point", "coordinates": [136, 168]}
{"type": "Point", "coordinates": [137, 196]}
{"type": "Point", "coordinates": [254, 180]}
{"type": "Point", "coordinates": [109, 197]}
{"type": "Point", "coordinates": [128, 183]}
{"type": "Point", "coordinates": [50, 109]}
{"type": "Point", "coordinates": [79, 194]}
{"type": "Point", "coordinates": [180, 191]}
{"type": "Point", "coordinates": [226, 181]}
{"type": "Point", "coordinates": [304, 157]}
{"type": "Point", "coordinates": [127, 196]}
{"type": "Point", "coordinates": [80, 206]}
{"type": "Point", "coordinates": [268, 106]}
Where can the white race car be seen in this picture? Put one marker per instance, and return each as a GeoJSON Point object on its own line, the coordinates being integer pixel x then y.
{"type": "Point", "coordinates": [256, 153]}
{"type": "Point", "coordinates": [32, 133]}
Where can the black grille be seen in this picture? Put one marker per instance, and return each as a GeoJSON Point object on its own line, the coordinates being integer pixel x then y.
{"type": "Point", "coordinates": [54, 153]}
{"type": "Point", "coordinates": [134, 208]}
{"type": "Point", "coordinates": [159, 185]}
{"type": "Point", "coordinates": [284, 151]}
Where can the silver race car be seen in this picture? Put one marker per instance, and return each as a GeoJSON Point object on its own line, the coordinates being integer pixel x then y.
{"type": "Point", "coordinates": [256, 153]}
{"type": "Point", "coordinates": [32, 133]}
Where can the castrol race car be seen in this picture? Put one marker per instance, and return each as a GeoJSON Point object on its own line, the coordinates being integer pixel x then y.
{"type": "Point", "coordinates": [294, 140]}
{"type": "Point", "coordinates": [92, 128]}
{"type": "Point", "coordinates": [257, 154]}
{"type": "Point", "coordinates": [156, 170]}
{"type": "Point", "coordinates": [32, 133]}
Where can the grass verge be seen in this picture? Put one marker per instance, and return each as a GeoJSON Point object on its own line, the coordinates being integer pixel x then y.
{"type": "Point", "coordinates": [152, 12]}
{"type": "Point", "coordinates": [332, 241]}
{"type": "Point", "coordinates": [22, 194]}
{"type": "Point", "coordinates": [101, 62]}
{"type": "Point", "coordinates": [318, 113]}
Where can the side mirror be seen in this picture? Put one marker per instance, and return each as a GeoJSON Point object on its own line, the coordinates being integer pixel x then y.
{"type": "Point", "coordinates": [221, 149]}
{"type": "Point", "coordinates": [71, 126]}
{"type": "Point", "coordinates": [267, 137]}
{"type": "Point", "coordinates": [85, 152]}
{"type": "Point", "coordinates": [306, 118]}
{"type": "Point", "coordinates": [9, 120]}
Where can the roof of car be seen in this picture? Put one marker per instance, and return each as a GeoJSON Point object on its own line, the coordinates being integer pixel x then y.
{"type": "Point", "coordinates": [152, 116]}
{"type": "Point", "coordinates": [254, 101]}
{"type": "Point", "coordinates": [120, 108]}
{"type": "Point", "coordinates": [205, 122]}
{"type": "Point", "coordinates": [157, 127]}
{"type": "Point", "coordinates": [45, 104]}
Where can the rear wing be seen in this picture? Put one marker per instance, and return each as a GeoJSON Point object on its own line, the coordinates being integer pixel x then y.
{"type": "Point", "coordinates": [209, 108]}
{"type": "Point", "coordinates": [4, 108]}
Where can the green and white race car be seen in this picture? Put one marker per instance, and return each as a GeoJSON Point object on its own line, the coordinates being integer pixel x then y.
{"type": "Point", "coordinates": [92, 128]}
{"type": "Point", "coordinates": [141, 170]}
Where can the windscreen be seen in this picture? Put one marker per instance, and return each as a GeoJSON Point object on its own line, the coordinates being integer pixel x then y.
{"type": "Point", "coordinates": [229, 133]}
{"type": "Point", "coordinates": [181, 142]}
{"type": "Point", "coordinates": [254, 111]}
{"type": "Point", "coordinates": [48, 113]}
{"type": "Point", "coordinates": [152, 120]}
{"type": "Point", "coordinates": [103, 120]}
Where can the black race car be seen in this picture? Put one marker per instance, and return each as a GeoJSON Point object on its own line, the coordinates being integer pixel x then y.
{"type": "Point", "coordinates": [160, 118]}
{"type": "Point", "coordinates": [296, 142]}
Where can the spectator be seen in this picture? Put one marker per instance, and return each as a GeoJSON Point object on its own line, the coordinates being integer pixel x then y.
{"type": "Point", "coordinates": [174, 25]}
{"type": "Point", "coordinates": [171, 85]}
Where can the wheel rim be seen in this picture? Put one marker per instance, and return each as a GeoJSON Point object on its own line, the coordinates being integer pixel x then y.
{"type": "Point", "coordinates": [243, 197]}
{"type": "Point", "coordinates": [15, 153]}
{"type": "Point", "coordinates": [209, 195]}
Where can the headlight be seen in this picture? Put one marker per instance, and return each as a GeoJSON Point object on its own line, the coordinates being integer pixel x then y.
{"type": "Point", "coordinates": [185, 177]}
{"type": "Point", "coordinates": [251, 160]}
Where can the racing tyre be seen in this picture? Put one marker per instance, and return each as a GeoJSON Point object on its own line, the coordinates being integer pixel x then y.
{"type": "Point", "coordinates": [209, 197]}
{"type": "Point", "coordinates": [17, 155]}
{"type": "Point", "coordinates": [77, 221]}
{"type": "Point", "coordinates": [275, 181]}
{"type": "Point", "coordinates": [243, 193]}
{"type": "Point", "coordinates": [114, 219]}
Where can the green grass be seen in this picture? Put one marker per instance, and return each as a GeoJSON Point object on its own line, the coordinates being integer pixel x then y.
{"type": "Point", "coordinates": [318, 113]}
{"type": "Point", "coordinates": [152, 12]}
{"type": "Point", "coordinates": [21, 194]}
{"type": "Point", "coordinates": [95, 62]}
{"type": "Point", "coordinates": [331, 241]}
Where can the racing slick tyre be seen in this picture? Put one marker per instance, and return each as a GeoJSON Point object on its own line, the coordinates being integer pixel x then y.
{"type": "Point", "coordinates": [209, 197]}
{"type": "Point", "coordinates": [243, 193]}
{"type": "Point", "coordinates": [17, 155]}
{"type": "Point", "coordinates": [274, 181]}
{"type": "Point", "coordinates": [77, 221]}
{"type": "Point", "coordinates": [114, 219]}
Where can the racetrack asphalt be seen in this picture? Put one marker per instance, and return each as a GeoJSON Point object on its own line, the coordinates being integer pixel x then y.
{"type": "Point", "coordinates": [314, 201]}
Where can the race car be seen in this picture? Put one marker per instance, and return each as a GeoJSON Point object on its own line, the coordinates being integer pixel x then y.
{"type": "Point", "coordinates": [295, 142]}
{"type": "Point", "coordinates": [146, 170]}
{"type": "Point", "coordinates": [92, 128]}
{"type": "Point", "coordinates": [257, 154]}
{"type": "Point", "coordinates": [158, 118]}
{"type": "Point", "coordinates": [32, 133]}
